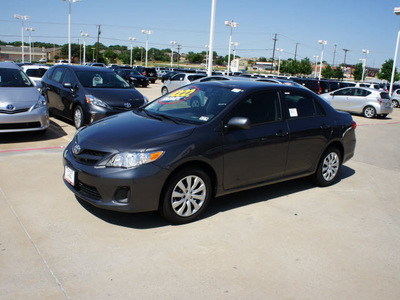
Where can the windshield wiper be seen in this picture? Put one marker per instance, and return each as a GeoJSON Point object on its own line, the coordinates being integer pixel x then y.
{"type": "Point", "coordinates": [169, 118]}
{"type": "Point", "coordinates": [155, 116]}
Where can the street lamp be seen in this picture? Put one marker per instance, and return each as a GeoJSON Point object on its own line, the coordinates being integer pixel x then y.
{"type": "Point", "coordinates": [147, 32]}
{"type": "Point", "coordinates": [22, 18]}
{"type": "Point", "coordinates": [231, 24]}
{"type": "Point", "coordinates": [316, 62]}
{"type": "Point", "coordinates": [93, 52]}
{"type": "Point", "coordinates": [365, 62]}
{"type": "Point", "coordinates": [69, 28]}
{"type": "Point", "coordinates": [30, 29]}
{"type": "Point", "coordinates": [234, 44]}
{"type": "Point", "coordinates": [173, 43]}
{"type": "Point", "coordinates": [211, 44]}
{"type": "Point", "coordinates": [323, 43]}
{"type": "Point", "coordinates": [397, 13]}
{"type": "Point", "coordinates": [279, 63]}
{"type": "Point", "coordinates": [85, 35]}
{"type": "Point", "coordinates": [132, 39]}
{"type": "Point", "coordinates": [208, 49]}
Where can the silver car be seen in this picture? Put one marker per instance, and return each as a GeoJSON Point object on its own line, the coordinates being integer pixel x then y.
{"type": "Point", "coordinates": [368, 102]}
{"type": "Point", "coordinates": [179, 80]}
{"type": "Point", "coordinates": [396, 98]}
{"type": "Point", "coordinates": [22, 107]}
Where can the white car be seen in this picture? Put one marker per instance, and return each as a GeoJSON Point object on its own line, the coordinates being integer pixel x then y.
{"type": "Point", "coordinates": [179, 80]}
{"type": "Point", "coordinates": [368, 102]}
{"type": "Point", "coordinates": [396, 98]}
{"type": "Point", "coordinates": [35, 73]}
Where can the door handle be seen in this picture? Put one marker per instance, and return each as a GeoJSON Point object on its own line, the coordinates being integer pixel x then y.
{"type": "Point", "coordinates": [281, 133]}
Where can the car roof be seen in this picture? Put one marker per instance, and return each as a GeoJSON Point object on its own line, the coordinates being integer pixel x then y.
{"type": "Point", "coordinates": [8, 65]}
{"type": "Point", "coordinates": [85, 68]}
{"type": "Point", "coordinates": [249, 85]}
{"type": "Point", "coordinates": [35, 67]}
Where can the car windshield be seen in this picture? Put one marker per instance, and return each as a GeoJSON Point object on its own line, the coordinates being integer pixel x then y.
{"type": "Point", "coordinates": [101, 79]}
{"type": "Point", "coordinates": [36, 72]}
{"type": "Point", "coordinates": [133, 72]}
{"type": "Point", "coordinates": [196, 104]}
{"type": "Point", "coordinates": [14, 78]}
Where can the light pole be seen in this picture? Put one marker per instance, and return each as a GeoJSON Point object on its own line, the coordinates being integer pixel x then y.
{"type": "Point", "coordinates": [173, 43]}
{"type": "Point", "coordinates": [365, 62]}
{"type": "Point", "coordinates": [147, 32]}
{"type": "Point", "coordinates": [207, 47]}
{"type": "Point", "coordinates": [334, 54]}
{"type": "Point", "coordinates": [234, 44]}
{"type": "Point", "coordinates": [22, 18]}
{"type": "Point", "coordinates": [397, 13]}
{"type": "Point", "coordinates": [323, 43]}
{"type": "Point", "coordinates": [30, 29]}
{"type": "Point", "coordinates": [279, 63]}
{"type": "Point", "coordinates": [131, 39]}
{"type": "Point", "coordinates": [69, 28]}
{"type": "Point", "coordinates": [93, 52]}
{"type": "Point", "coordinates": [85, 35]}
{"type": "Point", "coordinates": [231, 24]}
{"type": "Point", "coordinates": [211, 44]}
{"type": "Point", "coordinates": [316, 62]}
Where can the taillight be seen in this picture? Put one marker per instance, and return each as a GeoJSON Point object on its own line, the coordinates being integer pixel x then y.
{"type": "Point", "coordinates": [379, 100]}
{"type": "Point", "coordinates": [320, 90]}
{"type": "Point", "coordinates": [144, 73]}
{"type": "Point", "coordinates": [354, 125]}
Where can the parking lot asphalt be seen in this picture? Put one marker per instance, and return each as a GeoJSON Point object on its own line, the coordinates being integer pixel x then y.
{"type": "Point", "coordinates": [284, 241]}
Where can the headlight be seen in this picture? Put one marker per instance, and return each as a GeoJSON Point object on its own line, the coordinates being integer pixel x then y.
{"type": "Point", "coordinates": [133, 159]}
{"type": "Point", "coordinates": [41, 102]}
{"type": "Point", "coordinates": [146, 100]}
{"type": "Point", "coordinates": [133, 78]}
{"type": "Point", "coordinates": [95, 101]}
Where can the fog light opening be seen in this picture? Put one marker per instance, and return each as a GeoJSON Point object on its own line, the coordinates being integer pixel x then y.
{"type": "Point", "coordinates": [122, 195]}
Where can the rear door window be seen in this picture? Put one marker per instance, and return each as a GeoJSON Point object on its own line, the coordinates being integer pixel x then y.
{"type": "Point", "coordinates": [302, 105]}
{"type": "Point", "coordinates": [57, 74]}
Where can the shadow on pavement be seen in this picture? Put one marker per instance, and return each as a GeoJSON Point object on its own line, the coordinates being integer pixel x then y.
{"type": "Point", "coordinates": [153, 219]}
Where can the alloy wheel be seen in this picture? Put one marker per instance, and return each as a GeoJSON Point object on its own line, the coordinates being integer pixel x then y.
{"type": "Point", "coordinates": [188, 196]}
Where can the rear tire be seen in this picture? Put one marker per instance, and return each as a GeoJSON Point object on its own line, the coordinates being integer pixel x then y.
{"type": "Point", "coordinates": [395, 103]}
{"type": "Point", "coordinates": [369, 112]}
{"type": "Point", "coordinates": [186, 196]}
{"type": "Point", "coordinates": [164, 90]}
{"type": "Point", "coordinates": [328, 167]}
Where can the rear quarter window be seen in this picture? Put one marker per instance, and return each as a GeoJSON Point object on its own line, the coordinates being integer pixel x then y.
{"type": "Point", "coordinates": [385, 96]}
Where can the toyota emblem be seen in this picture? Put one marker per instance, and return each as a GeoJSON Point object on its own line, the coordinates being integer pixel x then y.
{"type": "Point", "coordinates": [10, 107]}
{"type": "Point", "coordinates": [127, 105]}
{"type": "Point", "coordinates": [76, 149]}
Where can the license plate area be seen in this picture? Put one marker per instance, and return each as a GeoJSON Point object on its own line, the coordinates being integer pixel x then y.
{"type": "Point", "coordinates": [69, 175]}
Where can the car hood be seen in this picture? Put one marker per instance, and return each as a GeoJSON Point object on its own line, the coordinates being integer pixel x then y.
{"type": "Point", "coordinates": [117, 96]}
{"type": "Point", "coordinates": [19, 97]}
{"type": "Point", "coordinates": [129, 131]}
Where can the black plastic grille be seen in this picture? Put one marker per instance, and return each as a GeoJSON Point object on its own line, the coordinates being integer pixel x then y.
{"type": "Point", "coordinates": [20, 125]}
{"type": "Point", "coordinates": [15, 111]}
{"type": "Point", "coordinates": [89, 157]}
{"type": "Point", "coordinates": [88, 191]}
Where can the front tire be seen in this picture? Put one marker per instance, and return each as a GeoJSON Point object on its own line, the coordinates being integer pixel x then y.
{"type": "Point", "coordinates": [78, 117]}
{"type": "Point", "coordinates": [369, 112]}
{"type": "Point", "coordinates": [328, 167]}
{"type": "Point", "coordinates": [186, 196]}
{"type": "Point", "coordinates": [395, 103]}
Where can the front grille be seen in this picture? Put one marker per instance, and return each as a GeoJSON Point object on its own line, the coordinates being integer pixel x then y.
{"type": "Point", "coordinates": [15, 111]}
{"type": "Point", "coordinates": [88, 191]}
{"type": "Point", "coordinates": [26, 125]}
{"type": "Point", "coordinates": [90, 157]}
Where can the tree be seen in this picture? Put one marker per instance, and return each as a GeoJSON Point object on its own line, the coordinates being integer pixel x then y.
{"type": "Point", "coordinates": [305, 66]}
{"type": "Point", "coordinates": [338, 73]}
{"type": "Point", "coordinates": [386, 71]}
{"type": "Point", "coordinates": [358, 69]}
{"type": "Point", "coordinates": [195, 58]}
{"type": "Point", "coordinates": [327, 72]}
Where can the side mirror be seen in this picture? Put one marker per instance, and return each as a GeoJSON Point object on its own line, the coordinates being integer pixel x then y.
{"type": "Point", "coordinates": [238, 123]}
{"type": "Point", "coordinates": [331, 94]}
{"type": "Point", "coordinates": [68, 85]}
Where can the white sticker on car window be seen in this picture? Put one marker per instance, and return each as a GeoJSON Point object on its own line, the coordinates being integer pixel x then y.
{"type": "Point", "coordinates": [237, 90]}
{"type": "Point", "coordinates": [204, 118]}
{"type": "Point", "coordinates": [293, 112]}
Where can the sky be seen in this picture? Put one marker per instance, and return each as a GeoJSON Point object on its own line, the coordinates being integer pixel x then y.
{"type": "Point", "coordinates": [350, 24]}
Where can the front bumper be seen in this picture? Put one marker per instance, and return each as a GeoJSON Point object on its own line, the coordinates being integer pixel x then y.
{"type": "Point", "coordinates": [34, 120]}
{"type": "Point", "coordinates": [126, 190]}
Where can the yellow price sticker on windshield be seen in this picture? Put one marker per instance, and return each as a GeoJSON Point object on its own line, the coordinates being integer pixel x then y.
{"type": "Point", "coordinates": [179, 95]}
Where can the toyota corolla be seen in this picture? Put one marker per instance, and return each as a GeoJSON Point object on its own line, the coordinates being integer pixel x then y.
{"type": "Point", "coordinates": [205, 140]}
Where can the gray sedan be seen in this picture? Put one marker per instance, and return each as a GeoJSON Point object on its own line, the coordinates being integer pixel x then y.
{"type": "Point", "coordinates": [368, 102]}
{"type": "Point", "coordinates": [179, 80]}
{"type": "Point", "coordinates": [22, 108]}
